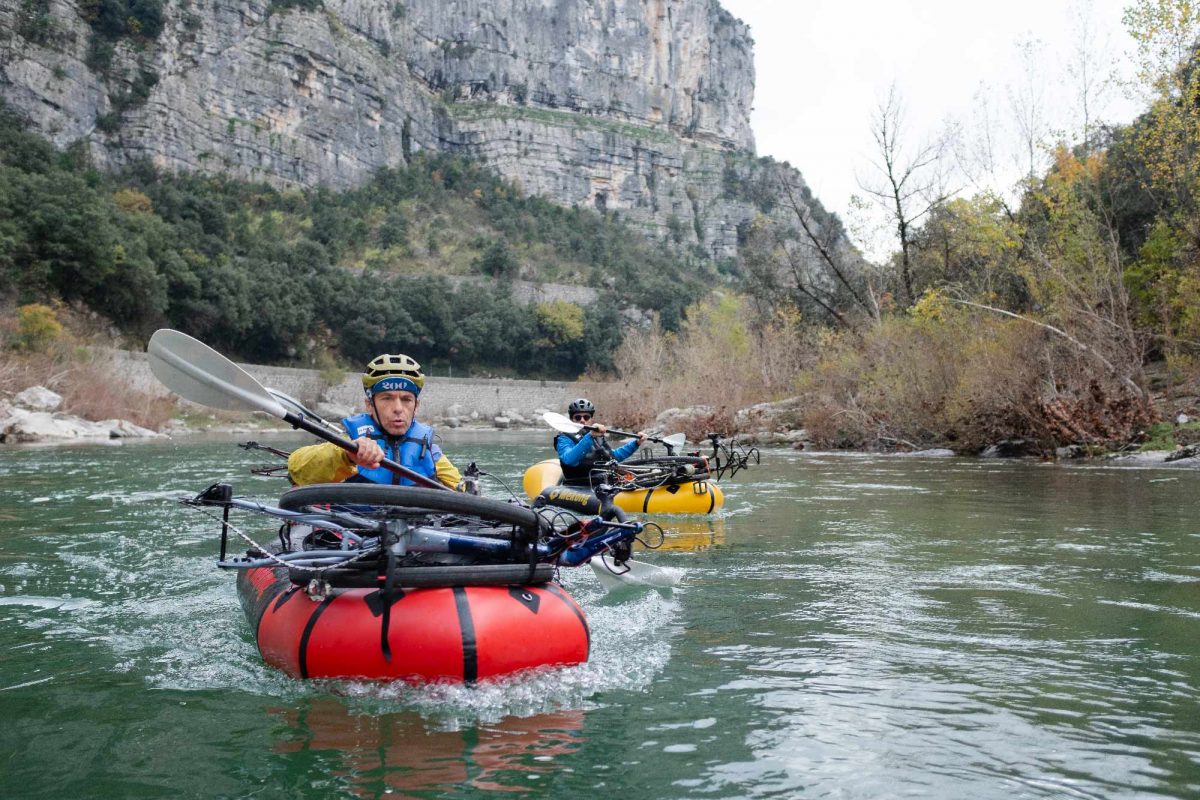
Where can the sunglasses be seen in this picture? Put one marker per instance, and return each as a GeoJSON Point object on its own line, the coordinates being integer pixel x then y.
{"type": "Point", "coordinates": [581, 417]}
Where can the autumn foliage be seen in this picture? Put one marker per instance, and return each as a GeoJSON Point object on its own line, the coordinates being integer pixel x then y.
{"type": "Point", "coordinates": [61, 349]}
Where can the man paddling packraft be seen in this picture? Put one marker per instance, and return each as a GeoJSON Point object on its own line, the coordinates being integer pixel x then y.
{"type": "Point", "coordinates": [586, 450]}
{"type": "Point", "coordinates": [388, 428]}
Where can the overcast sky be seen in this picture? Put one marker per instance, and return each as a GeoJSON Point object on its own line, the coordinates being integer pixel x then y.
{"type": "Point", "coordinates": [822, 67]}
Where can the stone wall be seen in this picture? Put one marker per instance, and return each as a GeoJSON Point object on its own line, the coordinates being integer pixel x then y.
{"type": "Point", "coordinates": [475, 397]}
{"type": "Point", "coordinates": [481, 397]}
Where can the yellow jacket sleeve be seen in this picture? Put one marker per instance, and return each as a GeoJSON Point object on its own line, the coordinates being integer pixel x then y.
{"type": "Point", "coordinates": [328, 463]}
{"type": "Point", "coordinates": [447, 473]}
{"type": "Point", "coordinates": [320, 463]}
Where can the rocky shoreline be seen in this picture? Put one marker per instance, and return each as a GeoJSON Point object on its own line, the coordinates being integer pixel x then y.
{"type": "Point", "coordinates": [765, 427]}
{"type": "Point", "coordinates": [32, 416]}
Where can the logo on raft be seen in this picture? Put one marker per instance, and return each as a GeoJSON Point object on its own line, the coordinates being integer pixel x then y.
{"type": "Point", "coordinates": [570, 496]}
{"type": "Point", "coordinates": [573, 499]}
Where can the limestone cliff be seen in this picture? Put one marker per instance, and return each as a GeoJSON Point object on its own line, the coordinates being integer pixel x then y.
{"type": "Point", "coordinates": [635, 106]}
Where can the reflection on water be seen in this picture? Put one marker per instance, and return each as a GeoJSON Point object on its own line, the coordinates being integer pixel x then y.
{"type": "Point", "coordinates": [371, 754]}
{"type": "Point", "coordinates": [691, 533]}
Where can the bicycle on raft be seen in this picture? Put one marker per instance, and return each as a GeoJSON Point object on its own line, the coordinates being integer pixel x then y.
{"type": "Point", "coordinates": [355, 535]}
{"type": "Point", "coordinates": [649, 470]}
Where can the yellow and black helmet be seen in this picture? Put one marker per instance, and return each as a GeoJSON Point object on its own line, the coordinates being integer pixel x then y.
{"type": "Point", "coordinates": [389, 373]}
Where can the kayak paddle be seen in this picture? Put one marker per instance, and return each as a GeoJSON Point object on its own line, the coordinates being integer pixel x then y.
{"type": "Point", "coordinates": [299, 409]}
{"type": "Point", "coordinates": [196, 372]}
{"type": "Point", "coordinates": [565, 425]}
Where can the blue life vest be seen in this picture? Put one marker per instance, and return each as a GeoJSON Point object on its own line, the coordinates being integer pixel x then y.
{"type": "Point", "coordinates": [415, 450]}
{"type": "Point", "coordinates": [580, 474]}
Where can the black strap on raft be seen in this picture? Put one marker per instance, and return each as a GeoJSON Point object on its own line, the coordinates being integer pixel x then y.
{"type": "Point", "coordinates": [285, 539]}
{"type": "Point", "coordinates": [524, 543]}
{"type": "Point", "coordinates": [531, 554]}
{"type": "Point", "coordinates": [385, 596]}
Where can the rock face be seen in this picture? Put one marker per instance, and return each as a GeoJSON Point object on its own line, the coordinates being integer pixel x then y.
{"type": "Point", "coordinates": [635, 106]}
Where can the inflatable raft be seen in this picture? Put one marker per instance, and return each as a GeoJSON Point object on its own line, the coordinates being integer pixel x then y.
{"type": "Point", "coordinates": [454, 634]}
{"type": "Point", "coordinates": [667, 494]}
{"type": "Point", "coordinates": [386, 582]}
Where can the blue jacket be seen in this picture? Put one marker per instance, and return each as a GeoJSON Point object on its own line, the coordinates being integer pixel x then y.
{"type": "Point", "coordinates": [415, 449]}
{"type": "Point", "coordinates": [580, 453]}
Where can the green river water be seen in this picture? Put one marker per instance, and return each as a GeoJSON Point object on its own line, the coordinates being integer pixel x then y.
{"type": "Point", "coordinates": [850, 627]}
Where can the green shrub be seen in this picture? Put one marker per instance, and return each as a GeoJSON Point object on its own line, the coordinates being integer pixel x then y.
{"type": "Point", "coordinates": [37, 328]}
{"type": "Point", "coordinates": [1169, 435]}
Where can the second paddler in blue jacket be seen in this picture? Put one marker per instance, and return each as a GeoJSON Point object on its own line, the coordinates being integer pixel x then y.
{"type": "Point", "coordinates": [387, 428]}
{"type": "Point", "coordinates": [586, 450]}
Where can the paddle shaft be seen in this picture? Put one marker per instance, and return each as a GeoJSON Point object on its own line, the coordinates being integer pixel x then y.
{"type": "Point", "coordinates": [621, 433]}
{"type": "Point", "coordinates": [565, 425]}
{"type": "Point", "coordinates": [631, 435]}
{"type": "Point", "coordinates": [615, 431]}
{"type": "Point", "coordinates": [296, 421]}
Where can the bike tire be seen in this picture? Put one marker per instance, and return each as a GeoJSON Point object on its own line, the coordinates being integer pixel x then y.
{"type": "Point", "coordinates": [369, 494]}
{"type": "Point", "coordinates": [651, 473]}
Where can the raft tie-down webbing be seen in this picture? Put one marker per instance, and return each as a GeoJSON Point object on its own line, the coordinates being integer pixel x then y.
{"type": "Point", "coordinates": [306, 636]}
{"type": "Point", "coordinates": [385, 596]}
{"type": "Point", "coordinates": [466, 626]}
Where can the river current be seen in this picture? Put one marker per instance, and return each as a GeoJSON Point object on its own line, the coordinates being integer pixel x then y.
{"type": "Point", "coordinates": [849, 626]}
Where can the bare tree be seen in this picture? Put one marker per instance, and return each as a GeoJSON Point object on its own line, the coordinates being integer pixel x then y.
{"type": "Point", "coordinates": [1089, 69]}
{"type": "Point", "coordinates": [801, 255]}
{"type": "Point", "coordinates": [977, 150]}
{"type": "Point", "coordinates": [908, 183]}
{"type": "Point", "coordinates": [1027, 99]}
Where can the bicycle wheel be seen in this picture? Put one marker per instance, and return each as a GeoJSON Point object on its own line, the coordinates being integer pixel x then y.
{"type": "Point", "coordinates": [665, 471]}
{"type": "Point", "coordinates": [419, 500]}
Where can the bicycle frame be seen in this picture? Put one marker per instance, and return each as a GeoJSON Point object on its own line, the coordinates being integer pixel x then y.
{"type": "Point", "coordinates": [736, 455]}
{"type": "Point", "coordinates": [583, 540]}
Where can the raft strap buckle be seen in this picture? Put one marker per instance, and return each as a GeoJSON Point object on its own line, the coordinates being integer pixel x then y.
{"type": "Point", "coordinates": [318, 590]}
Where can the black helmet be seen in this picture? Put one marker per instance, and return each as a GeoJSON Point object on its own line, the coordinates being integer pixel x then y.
{"type": "Point", "coordinates": [581, 406]}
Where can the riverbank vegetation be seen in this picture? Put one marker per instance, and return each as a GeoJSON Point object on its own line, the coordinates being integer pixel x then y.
{"type": "Point", "coordinates": [70, 352]}
{"type": "Point", "coordinates": [1053, 303]}
{"type": "Point", "coordinates": [1062, 309]}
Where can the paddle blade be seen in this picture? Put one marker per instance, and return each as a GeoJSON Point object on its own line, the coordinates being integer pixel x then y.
{"type": "Point", "coordinates": [196, 372]}
{"type": "Point", "coordinates": [560, 423]}
{"type": "Point", "coordinates": [675, 440]}
{"type": "Point", "coordinates": [638, 574]}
